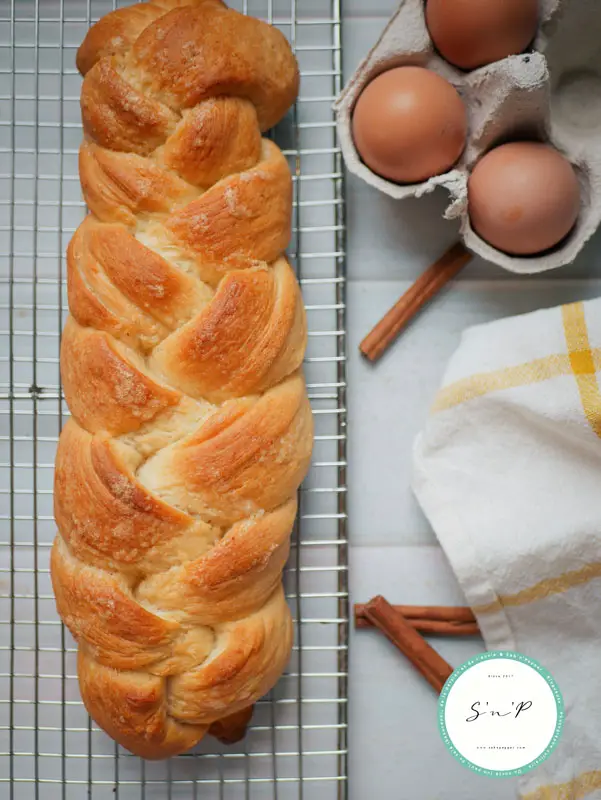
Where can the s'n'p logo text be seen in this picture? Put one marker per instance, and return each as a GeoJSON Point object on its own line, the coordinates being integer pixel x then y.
{"type": "Point", "coordinates": [501, 714]}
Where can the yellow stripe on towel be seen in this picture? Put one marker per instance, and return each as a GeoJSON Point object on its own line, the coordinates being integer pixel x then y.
{"type": "Point", "coordinates": [581, 360]}
{"type": "Point", "coordinates": [544, 588]}
{"type": "Point", "coordinates": [572, 790]}
{"type": "Point", "coordinates": [541, 369]}
{"type": "Point", "coordinates": [583, 363]}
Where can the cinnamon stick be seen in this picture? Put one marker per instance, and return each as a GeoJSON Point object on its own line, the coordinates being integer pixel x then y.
{"type": "Point", "coordinates": [420, 617]}
{"type": "Point", "coordinates": [424, 288]}
{"type": "Point", "coordinates": [413, 646]}
{"type": "Point", "coordinates": [432, 627]}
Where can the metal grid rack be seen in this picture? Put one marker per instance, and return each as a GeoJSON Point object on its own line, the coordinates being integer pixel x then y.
{"type": "Point", "coordinates": [297, 744]}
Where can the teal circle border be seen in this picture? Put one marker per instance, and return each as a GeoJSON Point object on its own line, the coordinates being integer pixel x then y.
{"type": "Point", "coordinates": [488, 656]}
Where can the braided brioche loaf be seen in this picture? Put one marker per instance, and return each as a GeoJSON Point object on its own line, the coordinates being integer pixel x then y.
{"type": "Point", "coordinates": [176, 476]}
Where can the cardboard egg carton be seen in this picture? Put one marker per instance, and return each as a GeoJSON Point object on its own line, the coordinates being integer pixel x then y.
{"type": "Point", "coordinates": [552, 93]}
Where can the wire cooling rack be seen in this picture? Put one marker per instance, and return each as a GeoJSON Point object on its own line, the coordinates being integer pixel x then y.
{"type": "Point", "coordinates": [297, 744]}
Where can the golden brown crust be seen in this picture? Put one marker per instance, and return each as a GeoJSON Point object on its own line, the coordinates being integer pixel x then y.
{"type": "Point", "coordinates": [233, 579]}
{"type": "Point", "coordinates": [217, 138]}
{"type": "Point", "coordinates": [95, 302]}
{"type": "Point", "coordinates": [249, 456]}
{"type": "Point", "coordinates": [117, 116]}
{"type": "Point", "coordinates": [130, 707]}
{"type": "Point", "coordinates": [117, 186]}
{"type": "Point", "coordinates": [186, 56]}
{"type": "Point", "coordinates": [247, 339]}
{"type": "Point", "coordinates": [103, 513]}
{"type": "Point", "coordinates": [241, 221]}
{"type": "Point", "coordinates": [248, 657]}
{"type": "Point", "coordinates": [99, 608]}
{"type": "Point", "coordinates": [120, 396]}
{"type": "Point", "coordinates": [115, 33]}
{"type": "Point", "coordinates": [176, 476]}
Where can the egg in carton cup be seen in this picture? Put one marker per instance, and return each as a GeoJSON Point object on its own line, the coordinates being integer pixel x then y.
{"type": "Point", "coordinates": [551, 94]}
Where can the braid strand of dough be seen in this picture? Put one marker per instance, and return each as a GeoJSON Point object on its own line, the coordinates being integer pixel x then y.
{"type": "Point", "coordinates": [181, 360]}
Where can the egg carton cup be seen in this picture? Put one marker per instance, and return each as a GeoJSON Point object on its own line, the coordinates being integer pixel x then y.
{"type": "Point", "coordinates": [551, 93]}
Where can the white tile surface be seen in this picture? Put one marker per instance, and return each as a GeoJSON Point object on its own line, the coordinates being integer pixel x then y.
{"type": "Point", "coordinates": [395, 748]}
{"type": "Point", "coordinates": [369, 8]}
{"type": "Point", "coordinates": [359, 34]}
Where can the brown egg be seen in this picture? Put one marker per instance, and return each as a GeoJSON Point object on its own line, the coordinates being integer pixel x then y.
{"type": "Point", "coordinates": [470, 33]}
{"type": "Point", "coordinates": [409, 124]}
{"type": "Point", "coordinates": [524, 197]}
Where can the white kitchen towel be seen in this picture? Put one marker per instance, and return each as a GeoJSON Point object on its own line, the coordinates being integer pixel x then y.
{"type": "Point", "coordinates": [508, 471]}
